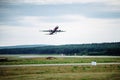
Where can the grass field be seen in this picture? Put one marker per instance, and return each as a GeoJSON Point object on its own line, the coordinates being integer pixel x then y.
{"type": "Point", "coordinates": [99, 72]}
{"type": "Point", "coordinates": [56, 60]}
{"type": "Point", "coordinates": [81, 72]}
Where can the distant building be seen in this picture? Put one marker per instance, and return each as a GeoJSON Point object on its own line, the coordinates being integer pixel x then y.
{"type": "Point", "coordinates": [93, 63]}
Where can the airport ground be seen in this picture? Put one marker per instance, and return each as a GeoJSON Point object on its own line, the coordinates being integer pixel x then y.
{"type": "Point", "coordinates": [83, 72]}
{"type": "Point", "coordinates": [48, 59]}
{"type": "Point", "coordinates": [107, 68]}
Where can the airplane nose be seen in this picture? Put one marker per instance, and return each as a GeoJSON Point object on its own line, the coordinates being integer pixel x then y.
{"type": "Point", "coordinates": [57, 27]}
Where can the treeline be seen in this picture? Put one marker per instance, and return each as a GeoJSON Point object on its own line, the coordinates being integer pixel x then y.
{"type": "Point", "coordinates": [73, 49]}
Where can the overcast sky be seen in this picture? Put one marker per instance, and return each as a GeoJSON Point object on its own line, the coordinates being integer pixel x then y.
{"type": "Point", "coordinates": [85, 21]}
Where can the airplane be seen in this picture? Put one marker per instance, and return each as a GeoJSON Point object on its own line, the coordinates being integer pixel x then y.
{"type": "Point", "coordinates": [55, 30]}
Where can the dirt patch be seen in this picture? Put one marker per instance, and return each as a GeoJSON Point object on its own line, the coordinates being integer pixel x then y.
{"type": "Point", "coordinates": [51, 58]}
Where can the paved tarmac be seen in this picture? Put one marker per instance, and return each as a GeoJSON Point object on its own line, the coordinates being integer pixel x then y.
{"type": "Point", "coordinates": [68, 64]}
{"type": "Point", "coordinates": [64, 56]}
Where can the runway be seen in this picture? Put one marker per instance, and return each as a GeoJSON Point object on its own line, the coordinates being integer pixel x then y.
{"type": "Point", "coordinates": [57, 56]}
{"type": "Point", "coordinates": [68, 64]}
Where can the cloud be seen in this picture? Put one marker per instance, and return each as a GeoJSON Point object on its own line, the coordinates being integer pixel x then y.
{"type": "Point", "coordinates": [19, 35]}
{"type": "Point", "coordinates": [90, 8]}
{"type": "Point", "coordinates": [79, 29]}
{"type": "Point", "coordinates": [109, 2]}
{"type": "Point", "coordinates": [65, 19]}
{"type": "Point", "coordinates": [20, 23]}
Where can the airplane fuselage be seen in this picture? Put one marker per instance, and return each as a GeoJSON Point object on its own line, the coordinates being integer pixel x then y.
{"type": "Point", "coordinates": [53, 31]}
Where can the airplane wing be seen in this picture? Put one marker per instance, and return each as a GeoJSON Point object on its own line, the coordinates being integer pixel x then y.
{"type": "Point", "coordinates": [47, 30]}
{"type": "Point", "coordinates": [51, 33]}
{"type": "Point", "coordinates": [59, 31]}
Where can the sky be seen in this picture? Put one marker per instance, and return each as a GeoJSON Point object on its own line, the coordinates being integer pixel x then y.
{"type": "Point", "coordinates": [85, 21]}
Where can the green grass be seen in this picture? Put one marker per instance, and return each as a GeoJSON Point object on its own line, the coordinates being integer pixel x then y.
{"type": "Point", "coordinates": [83, 72]}
{"type": "Point", "coordinates": [99, 72]}
{"type": "Point", "coordinates": [13, 60]}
